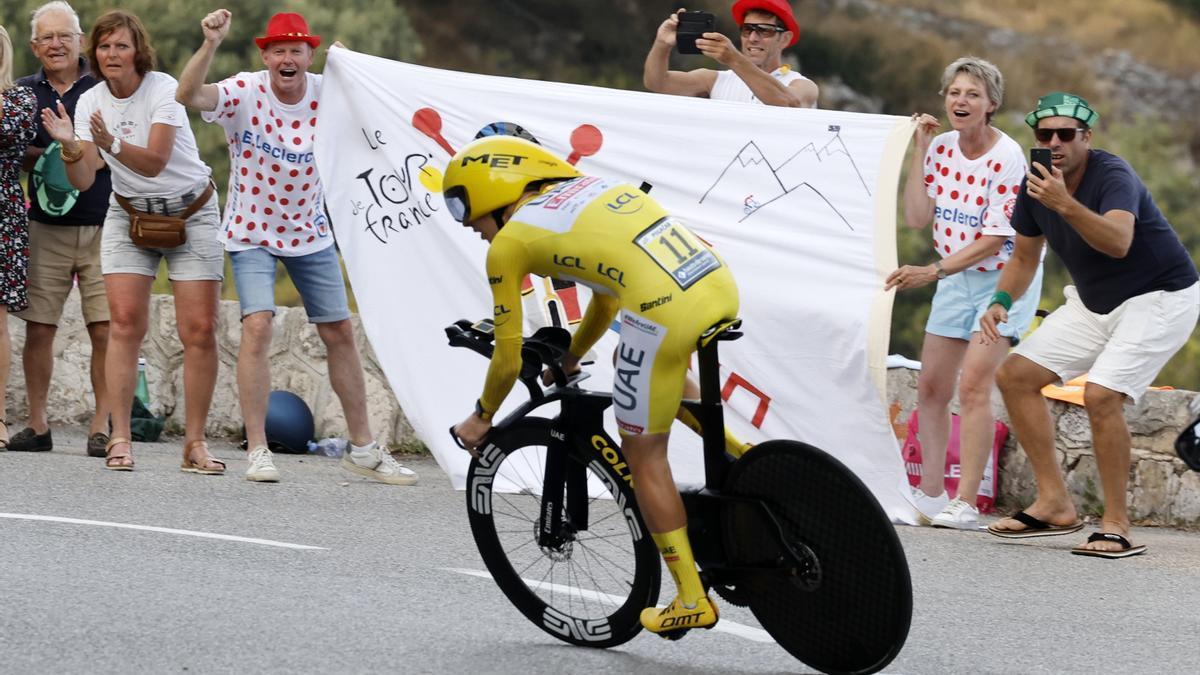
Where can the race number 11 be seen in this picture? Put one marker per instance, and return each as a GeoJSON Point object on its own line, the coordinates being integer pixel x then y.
{"type": "Point", "coordinates": [675, 249]}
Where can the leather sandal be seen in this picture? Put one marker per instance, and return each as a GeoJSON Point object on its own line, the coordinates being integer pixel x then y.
{"type": "Point", "coordinates": [205, 467]}
{"type": "Point", "coordinates": [109, 457]}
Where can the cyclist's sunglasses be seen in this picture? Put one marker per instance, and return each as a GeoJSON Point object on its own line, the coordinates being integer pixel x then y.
{"type": "Point", "coordinates": [1066, 135]}
{"type": "Point", "coordinates": [764, 30]}
{"type": "Point", "coordinates": [456, 203]}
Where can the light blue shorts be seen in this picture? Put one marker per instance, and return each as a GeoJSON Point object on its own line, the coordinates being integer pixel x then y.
{"type": "Point", "coordinates": [317, 276]}
{"type": "Point", "coordinates": [961, 299]}
{"type": "Point", "coordinates": [200, 258]}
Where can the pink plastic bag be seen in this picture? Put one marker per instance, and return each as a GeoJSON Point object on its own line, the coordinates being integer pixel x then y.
{"type": "Point", "coordinates": [989, 487]}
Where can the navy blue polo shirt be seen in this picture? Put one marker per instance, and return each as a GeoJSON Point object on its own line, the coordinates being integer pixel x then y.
{"type": "Point", "coordinates": [1157, 260]}
{"type": "Point", "coordinates": [90, 207]}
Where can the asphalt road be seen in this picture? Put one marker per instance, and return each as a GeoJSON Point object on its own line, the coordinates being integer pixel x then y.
{"type": "Point", "coordinates": [389, 586]}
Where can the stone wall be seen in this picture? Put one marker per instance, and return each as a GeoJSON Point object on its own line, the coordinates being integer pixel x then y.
{"type": "Point", "coordinates": [297, 365]}
{"type": "Point", "coordinates": [1162, 490]}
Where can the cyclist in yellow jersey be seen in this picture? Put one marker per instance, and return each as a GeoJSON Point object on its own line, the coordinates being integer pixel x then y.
{"type": "Point", "coordinates": [542, 216]}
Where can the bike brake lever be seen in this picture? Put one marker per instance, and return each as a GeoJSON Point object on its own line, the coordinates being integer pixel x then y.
{"type": "Point", "coordinates": [457, 440]}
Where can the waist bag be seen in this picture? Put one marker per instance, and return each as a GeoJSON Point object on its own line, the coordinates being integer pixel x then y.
{"type": "Point", "coordinates": [156, 230]}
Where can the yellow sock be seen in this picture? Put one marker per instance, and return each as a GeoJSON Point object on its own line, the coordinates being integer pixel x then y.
{"type": "Point", "coordinates": [733, 446]}
{"type": "Point", "coordinates": [676, 550]}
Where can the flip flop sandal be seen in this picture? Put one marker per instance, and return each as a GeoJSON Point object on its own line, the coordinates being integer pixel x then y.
{"type": "Point", "coordinates": [204, 467]}
{"type": "Point", "coordinates": [1127, 549]}
{"type": "Point", "coordinates": [1034, 527]}
{"type": "Point", "coordinates": [109, 458]}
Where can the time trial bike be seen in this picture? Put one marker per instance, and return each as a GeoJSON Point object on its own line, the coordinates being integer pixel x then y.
{"type": "Point", "coordinates": [785, 529]}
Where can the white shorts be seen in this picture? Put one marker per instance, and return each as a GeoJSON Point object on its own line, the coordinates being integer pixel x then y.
{"type": "Point", "coordinates": [1123, 350]}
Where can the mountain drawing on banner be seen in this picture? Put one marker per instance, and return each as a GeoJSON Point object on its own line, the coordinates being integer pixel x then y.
{"type": "Point", "coordinates": [752, 180]}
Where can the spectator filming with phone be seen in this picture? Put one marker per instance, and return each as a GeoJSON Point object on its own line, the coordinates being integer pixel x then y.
{"type": "Point", "coordinates": [755, 73]}
{"type": "Point", "coordinates": [1134, 303]}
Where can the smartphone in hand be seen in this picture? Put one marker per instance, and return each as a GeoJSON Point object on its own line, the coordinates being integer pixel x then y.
{"type": "Point", "coordinates": [1040, 156]}
{"type": "Point", "coordinates": [691, 26]}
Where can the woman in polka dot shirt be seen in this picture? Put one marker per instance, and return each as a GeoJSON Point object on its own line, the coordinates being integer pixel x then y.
{"type": "Point", "coordinates": [965, 183]}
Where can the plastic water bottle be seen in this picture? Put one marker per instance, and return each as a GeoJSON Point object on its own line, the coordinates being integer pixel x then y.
{"type": "Point", "coordinates": [142, 392]}
{"type": "Point", "coordinates": [329, 447]}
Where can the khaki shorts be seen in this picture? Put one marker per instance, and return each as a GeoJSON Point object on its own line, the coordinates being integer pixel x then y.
{"type": "Point", "coordinates": [1123, 350]}
{"type": "Point", "coordinates": [57, 255]}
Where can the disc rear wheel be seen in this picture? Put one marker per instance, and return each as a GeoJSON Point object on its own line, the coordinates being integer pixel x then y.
{"type": "Point", "coordinates": [837, 595]}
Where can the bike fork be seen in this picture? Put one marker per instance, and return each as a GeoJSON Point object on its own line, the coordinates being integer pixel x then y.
{"type": "Point", "coordinates": [564, 485]}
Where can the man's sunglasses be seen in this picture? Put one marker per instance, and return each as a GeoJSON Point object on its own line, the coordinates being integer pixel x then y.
{"type": "Point", "coordinates": [1066, 135]}
{"type": "Point", "coordinates": [763, 29]}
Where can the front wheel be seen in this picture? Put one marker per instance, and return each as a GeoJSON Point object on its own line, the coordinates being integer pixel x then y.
{"type": "Point", "coordinates": [837, 593]}
{"type": "Point", "coordinates": [587, 589]}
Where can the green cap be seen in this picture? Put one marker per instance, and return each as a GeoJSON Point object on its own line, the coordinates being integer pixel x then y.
{"type": "Point", "coordinates": [1062, 104]}
{"type": "Point", "coordinates": [50, 184]}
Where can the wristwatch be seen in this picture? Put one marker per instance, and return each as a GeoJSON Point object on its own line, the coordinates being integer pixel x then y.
{"type": "Point", "coordinates": [115, 148]}
{"type": "Point", "coordinates": [941, 273]}
{"type": "Point", "coordinates": [485, 416]}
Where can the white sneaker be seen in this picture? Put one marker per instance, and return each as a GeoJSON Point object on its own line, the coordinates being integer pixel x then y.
{"type": "Point", "coordinates": [958, 515]}
{"type": "Point", "coordinates": [928, 507]}
{"type": "Point", "coordinates": [377, 463]}
{"type": "Point", "coordinates": [262, 467]}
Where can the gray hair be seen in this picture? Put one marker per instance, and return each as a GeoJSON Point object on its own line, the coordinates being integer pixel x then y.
{"type": "Point", "coordinates": [53, 6]}
{"type": "Point", "coordinates": [6, 61]}
{"type": "Point", "coordinates": [984, 71]}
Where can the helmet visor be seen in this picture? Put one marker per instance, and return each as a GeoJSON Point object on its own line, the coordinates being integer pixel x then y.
{"type": "Point", "coordinates": [456, 203]}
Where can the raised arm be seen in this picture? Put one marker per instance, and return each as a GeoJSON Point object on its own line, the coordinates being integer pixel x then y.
{"type": "Point", "coordinates": [657, 75]}
{"type": "Point", "coordinates": [918, 205]}
{"type": "Point", "coordinates": [768, 90]}
{"type": "Point", "coordinates": [192, 91]}
{"type": "Point", "coordinates": [79, 157]}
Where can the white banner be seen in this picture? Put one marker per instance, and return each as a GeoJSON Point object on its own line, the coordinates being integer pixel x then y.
{"type": "Point", "coordinates": [800, 203]}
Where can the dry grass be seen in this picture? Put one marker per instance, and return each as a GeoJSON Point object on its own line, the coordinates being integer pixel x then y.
{"type": "Point", "coordinates": [1152, 30]}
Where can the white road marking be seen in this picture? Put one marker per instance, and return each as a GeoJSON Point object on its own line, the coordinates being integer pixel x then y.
{"type": "Point", "coordinates": [724, 625]}
{"type": "Point", "coordinates": [166, 530]}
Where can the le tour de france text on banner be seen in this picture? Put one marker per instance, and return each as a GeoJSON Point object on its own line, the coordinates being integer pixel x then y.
{"type": "Point", "coordinates": [800, 203]}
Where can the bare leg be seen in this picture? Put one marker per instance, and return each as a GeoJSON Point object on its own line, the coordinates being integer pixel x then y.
{"type": "Point", "coordinates": [1021, 382]}
{"type": "Point", "coordinates": [254, 376]}
{"type": "Point", "coordinates": [977, 429]}
{"type": "Point", "coordinates": [1111, 442]}
{"type": "Point", "coordinates": [661, 506]}
{"type": "Point", "coordinates": [197, 322]}
{"type": "Point", "coordinates": [98, 332]}
{"type": "Point", "coordinates": [129, 306]}
{"type": "Point", "coordinates": [346, 377]}
{"type": "Point", "coordinates": [5, 367]}
{"type": "Point", "coordinates": [37, 358]}
{"type": "Point", "coordinates": [940, 361]}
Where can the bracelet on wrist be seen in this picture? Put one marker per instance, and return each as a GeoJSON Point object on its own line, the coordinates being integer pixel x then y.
{"type": "Point", "coordinates": [1003, 299]}
{"type": "Point", "coordinates": [69, 157]}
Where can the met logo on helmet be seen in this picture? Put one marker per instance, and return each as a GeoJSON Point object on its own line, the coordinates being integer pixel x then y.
{"type": "Point", "coordinates": [495, 160]}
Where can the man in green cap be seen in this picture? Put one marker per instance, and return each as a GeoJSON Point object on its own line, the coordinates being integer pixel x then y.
{"type": "Point", "coordinates": [1134, 303]}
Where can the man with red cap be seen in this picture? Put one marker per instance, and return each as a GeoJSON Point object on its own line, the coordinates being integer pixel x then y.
{"type": "Point", "coordinates": [275, 211]}
{"type": "Point", "coordinates": [755, 74]}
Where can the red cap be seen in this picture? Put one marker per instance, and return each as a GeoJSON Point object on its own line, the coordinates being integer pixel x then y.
{"type": "Point", "coordinates": [287, 27]}
{"type": "Point", "coordinates": [780, 8]}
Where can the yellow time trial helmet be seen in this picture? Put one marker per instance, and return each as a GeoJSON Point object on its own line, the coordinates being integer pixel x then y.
{"type": "Point", "coordinates": [494, 171]}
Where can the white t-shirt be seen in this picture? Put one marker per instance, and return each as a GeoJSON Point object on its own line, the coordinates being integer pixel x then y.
{"type": "Point", "coordinates": [730, 87]}
{"type": "Point", "coordinates": [129, 119]}
{"type": "Point", "coordinates": [973, 197]}
{"type": "Point", "coordinates": [275, 195]}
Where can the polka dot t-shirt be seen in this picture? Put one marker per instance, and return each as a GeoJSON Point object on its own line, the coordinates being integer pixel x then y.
{"type": "Point", "coordinates": [973, 197]}
{"type": "Point", "coordinates": [275, 198]}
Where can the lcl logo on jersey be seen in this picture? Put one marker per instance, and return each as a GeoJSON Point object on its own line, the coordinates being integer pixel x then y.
{"type": "Point", "coordinates": [495, 160]}
{"type": "Point", "coordinates": [626, 203]}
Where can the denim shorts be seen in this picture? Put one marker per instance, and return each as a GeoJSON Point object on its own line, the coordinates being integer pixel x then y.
{"type": "Point", "coordinates": [200, 258]}
{"type": "Point", "coordinates": [317, 276]}
{"type": "Point", "coordinates": [961, 299]}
